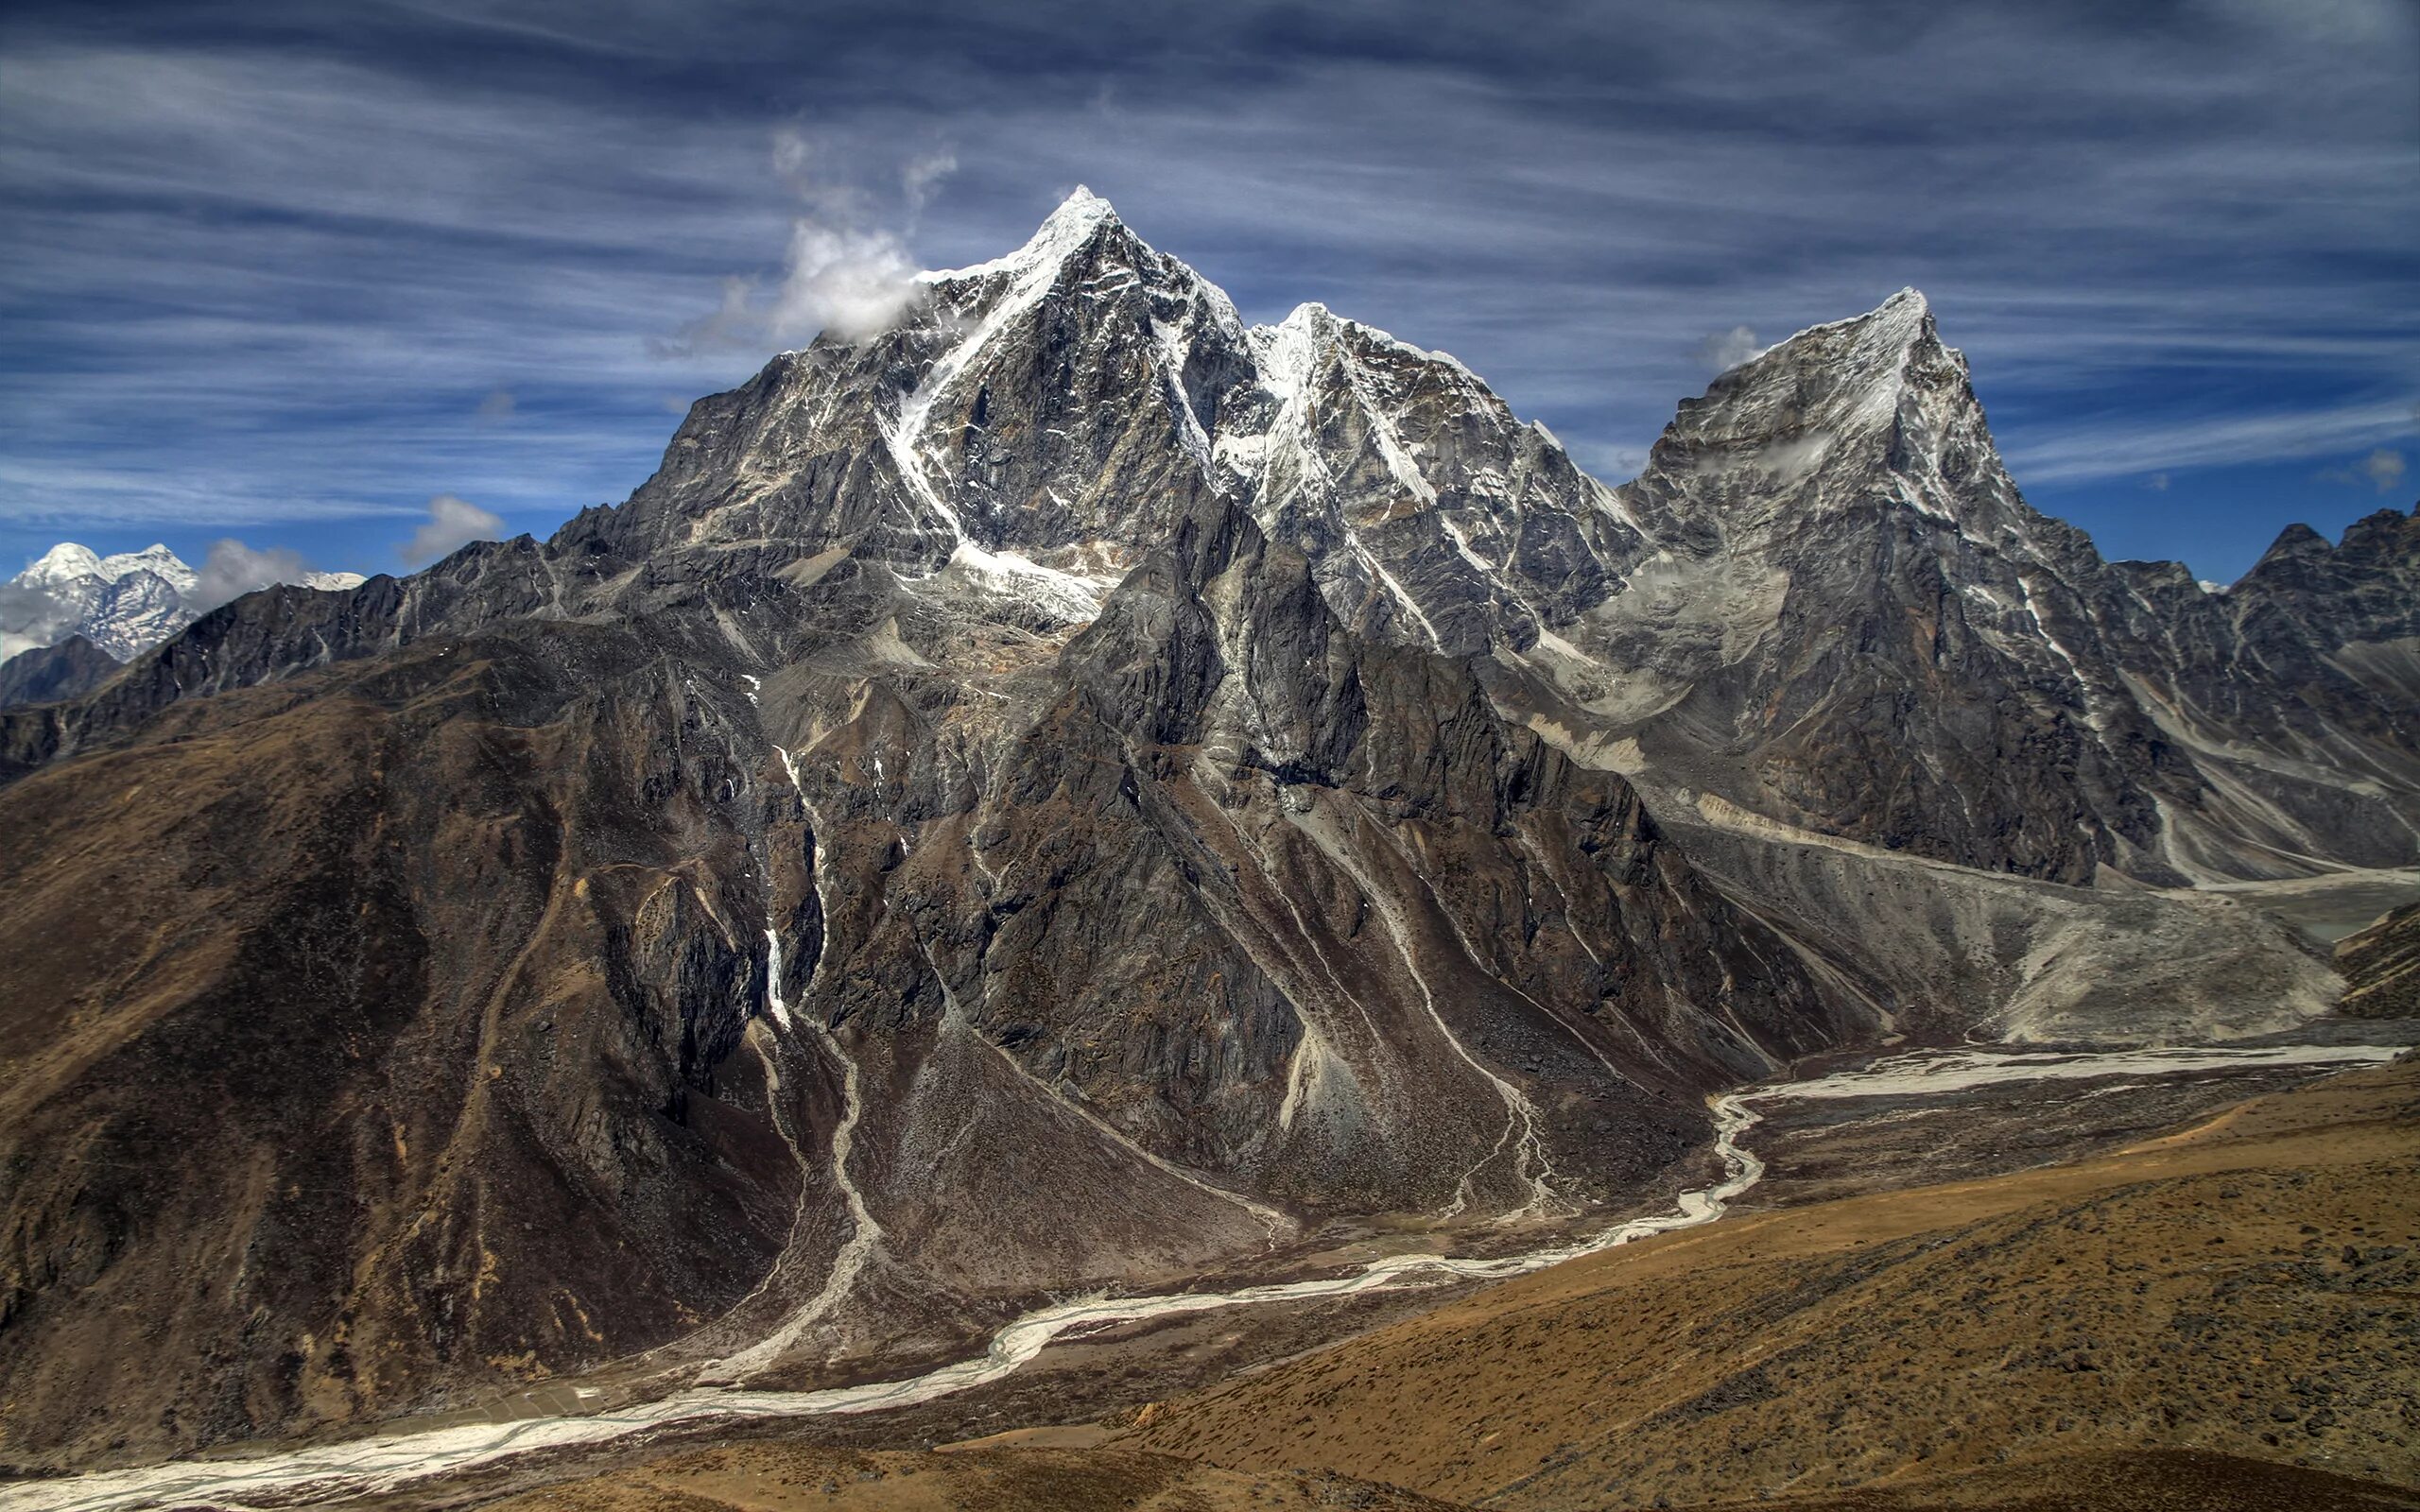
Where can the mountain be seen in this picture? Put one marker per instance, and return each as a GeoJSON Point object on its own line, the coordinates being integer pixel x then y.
{"type": "Point", "coordinates": [119, 605]}
{"type": "Point", "coordinates": [48, 673]}
{"type": "Point", "coordinates": [1074, 791]}
{"type": "Point", "coordinates": [1823, 603]}
{"type": "Point", "coordinates": [1854, 624]}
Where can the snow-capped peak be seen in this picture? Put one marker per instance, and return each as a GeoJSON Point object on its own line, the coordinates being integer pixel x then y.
{"type": "Point", "coordinates": [60, 562]}
{"type": "Point", "coordinates": [122, 603]}
{"type": "Point", "coordinates": [67, 561]}
{"type": "Point", "coordinates": [1062, 234]}
{"type": "Point", "coordinates": [154, 558]}
{"type": "Point", "coordinates": [1081, 208]}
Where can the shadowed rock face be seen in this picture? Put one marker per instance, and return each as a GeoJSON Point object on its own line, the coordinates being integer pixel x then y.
{"type": "Point", "coordinates": [372, 1033]}
{"type": "Point", "coordinates": [1069, 791]}
{"type": "Point", "coordinates": [50, 673]}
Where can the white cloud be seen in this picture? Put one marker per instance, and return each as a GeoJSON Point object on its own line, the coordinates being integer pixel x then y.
{"type": "Point", "coordinates": [1725, 350]}
{"type": "Point", "coordinates": [232, 569]}
{"type": "Point", "coordinates": [924, 175]}
{"type": "Point", "coordinates": [844, 272]}
{"type": "Point", "coordinates": [2382, 469]}
{"type": "Point", "coordinates": [453, 524]}
{"type": "Point", "coordinates": [853, 283]}
{"type": "Point", "coordinates": [29, 617]}
{"type": "Point", "coordinates": [1790, 461]}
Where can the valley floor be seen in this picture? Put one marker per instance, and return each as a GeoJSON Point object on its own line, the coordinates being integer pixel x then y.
{"type": "Point", "coordinates": [2245, 1284]}
{"type": "Point", "coordinates": [2223, 1316]}
{"type": "Point", "coordinates": [2249, 1286]}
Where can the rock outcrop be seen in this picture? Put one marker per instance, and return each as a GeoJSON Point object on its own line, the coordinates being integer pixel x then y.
{"type": "Point", "coordinates": [50, 673]}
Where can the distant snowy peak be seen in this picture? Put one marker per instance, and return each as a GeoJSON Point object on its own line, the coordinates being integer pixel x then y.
{"type": "Point", "coordinates": [67, 561]}
{"type": "Point", "coordinates": [124, 604]}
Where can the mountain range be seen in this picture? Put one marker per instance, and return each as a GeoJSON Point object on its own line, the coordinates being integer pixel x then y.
{"type": "Point", "coordinates": [1075, 790]}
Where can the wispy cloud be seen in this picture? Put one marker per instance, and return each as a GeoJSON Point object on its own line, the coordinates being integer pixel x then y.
{"type": "Point", "coordinates": [847, 271]}
{"type": "Point", "coordinates": [2119, 449]}
{"type": "Point", "coordinates": [453, 524]}
{"type": "Point", "coordinates": [1725, 350]}
{"type": "Point", "coordinates": [31, 617]}
{"type": "Point", "coordinates": [2382, 470]}
{"type": "Point", "coordinates": [232, 569]}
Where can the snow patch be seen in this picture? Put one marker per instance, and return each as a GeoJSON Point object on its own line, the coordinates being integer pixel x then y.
{"type": "Point", "coordinates": [1006, 575]}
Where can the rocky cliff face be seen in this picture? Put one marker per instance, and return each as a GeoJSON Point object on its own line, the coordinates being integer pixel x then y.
{"type": "Point", "coordinates": [372, 1033]}
{"type": "Point", "coordinates": [2294, 694]}
{"type": "Point", "coordinates": [1066, 791]}
{"type": "Point", "coordinates": [50, 673]}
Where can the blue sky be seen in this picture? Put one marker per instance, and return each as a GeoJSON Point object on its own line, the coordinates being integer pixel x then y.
{"type": "Point", "coordinates": [285, 272]}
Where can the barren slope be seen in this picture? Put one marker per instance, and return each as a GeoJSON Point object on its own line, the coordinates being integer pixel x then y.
{"type": "Point", "coordinates": [781, 1477]}
{"type": "Point", "coordinates": [2248, 1288]}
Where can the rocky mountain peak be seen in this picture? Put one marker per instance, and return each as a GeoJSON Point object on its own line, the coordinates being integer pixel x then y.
{"type": "Point", "coordinates": [2385, 533]}
{"type": "Point", "coordinates": [1847, 377]}
{"type": "Point", "coordinates": [2297, 540]}
{"type": "Point", "coordinates": [1083, 224]}
{"type": "Point", "coordinates": [1874, 410]}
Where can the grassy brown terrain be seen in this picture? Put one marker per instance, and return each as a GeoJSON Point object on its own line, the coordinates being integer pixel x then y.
{"type": "Point", "coordinates": [367, 1039]}
{"type": "Point", "coordinates": [2248, 1288]}
{"type": "Point", "coordinates": [2222, 1317]}
{"type": "Point", "coordinates": [2143, 1480]}
{"type": "Point", "coordinates": [779, 1477]}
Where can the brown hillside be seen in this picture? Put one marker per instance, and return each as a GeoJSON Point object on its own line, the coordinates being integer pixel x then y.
{"type": "Point", "coordinates": [779, 1477]}
{"type": "Point", "coordinates": [2251, 1287]}
{"type": "Point", "coordinates": [2143, 1480]}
